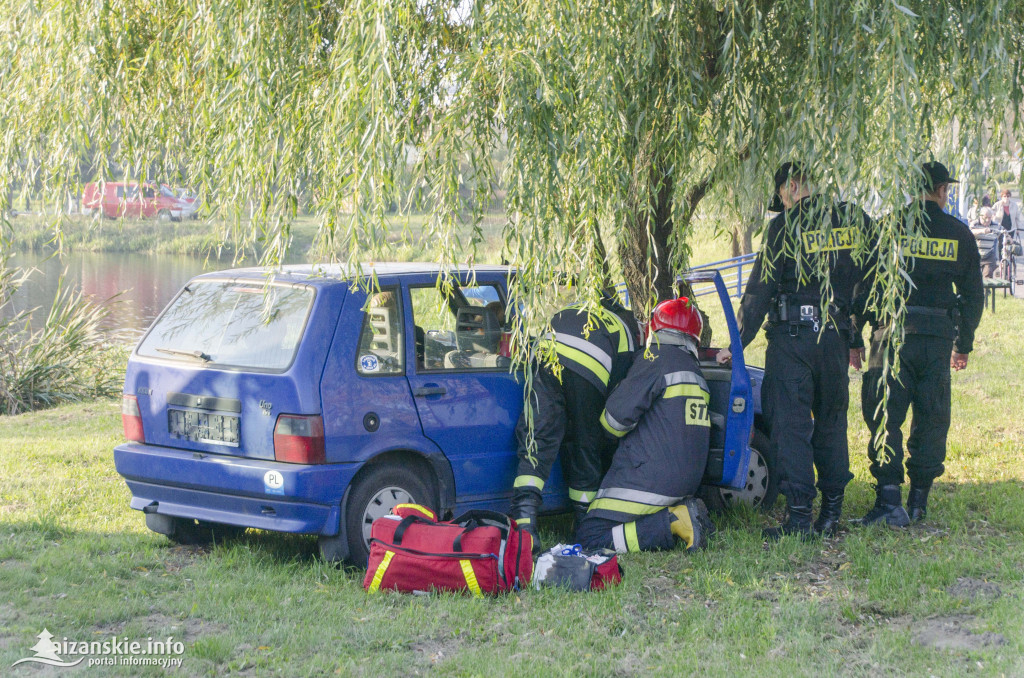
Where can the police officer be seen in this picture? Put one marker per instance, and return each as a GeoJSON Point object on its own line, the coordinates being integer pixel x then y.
{"type": "Point", "coordinates": [595, 351]}
{"type": "Point", "coordinates": [938, 333]}
{"type": "Point", "coordinates": [807, 254]}
{"type": "Point", "coordinates": [659, 413]}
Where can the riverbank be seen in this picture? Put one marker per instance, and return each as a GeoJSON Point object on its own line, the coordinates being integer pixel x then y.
{"type": "Point", "coordinates": [407, 239]}
{"type": "Point", "coordinates": [941, 598]}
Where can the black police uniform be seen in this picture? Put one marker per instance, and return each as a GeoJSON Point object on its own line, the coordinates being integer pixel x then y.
{"type": "Point", "coordinates": [660, 413]}
{"type": "Point", "coordinates": [566, 412]}
{"type": "Point", "coordinates": [935, 325]}
{"type": "Point", "coordinates": [805, 391]}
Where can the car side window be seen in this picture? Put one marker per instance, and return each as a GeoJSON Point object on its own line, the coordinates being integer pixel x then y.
{"type": "Point", "coordinates": [381, 340]}
{"type": "Point", "coordinates": [120, 192]}
{"type": "Point", "coordinates": [461, 329]}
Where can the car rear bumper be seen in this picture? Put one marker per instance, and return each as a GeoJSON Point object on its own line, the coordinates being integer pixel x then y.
{"type": "Point", "coordinates": [234, 490]}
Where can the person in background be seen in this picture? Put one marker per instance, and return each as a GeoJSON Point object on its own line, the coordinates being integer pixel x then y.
{"type": "Point", "coordinates": [986, 234]}
{"type": "Point", "coordinates": [1007, 213]}
{"type": "Point", "coordinates": [973, 213]}
{"type": "Point", "coordinates": [659, 414]}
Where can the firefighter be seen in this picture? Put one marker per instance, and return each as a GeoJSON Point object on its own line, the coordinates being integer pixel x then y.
{"type": "Point", "coordinates": [807, 254]}
{"type": "Point", "coordinates": [938, 333]}
{"type": "Point", "coordinates": [594, 351]}
{"type": "Point", "coordinates": [659, 414]}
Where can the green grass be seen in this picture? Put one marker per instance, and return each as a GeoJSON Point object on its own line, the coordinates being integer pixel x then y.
{"type": "Point", "coordinates": [76, 560]}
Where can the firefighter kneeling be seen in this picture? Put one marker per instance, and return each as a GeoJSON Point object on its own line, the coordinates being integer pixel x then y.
{"type": "Point", "coordinates": [660, 414]}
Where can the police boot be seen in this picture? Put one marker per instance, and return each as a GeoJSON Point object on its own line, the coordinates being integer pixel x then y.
{"type": "Point", "coordinates": [827, 523]}
{"type": "Point", "coordinates": [917, 502]}
{"type": "Point", "coordinates": [888, 508]}
{"type": "Point", "coordinates": [526, 502]}
{"type": "Point", "coordinates": [798, 523]}
{"type": "Point", "coordinates": [691, 524]}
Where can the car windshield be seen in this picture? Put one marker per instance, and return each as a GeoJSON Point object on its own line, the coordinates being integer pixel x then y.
{"type": "Point", "coordinates": [234, 324]}
{"type": "Point", "coordinates": [166, 192]}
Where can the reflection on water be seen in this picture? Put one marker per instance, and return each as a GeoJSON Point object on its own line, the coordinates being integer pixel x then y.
{"type": "Point", "coordinates": [148, 282]}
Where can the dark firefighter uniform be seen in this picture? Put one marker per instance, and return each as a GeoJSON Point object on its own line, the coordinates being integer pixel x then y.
{"type": "Point", "coordinates": [595, 351]}
{"type": "Point", "coordinates": [660, 413]}
{"type": "Point", "coordinates": [805, 391]}
{"type": "Point", "coordinates": [944, 255]}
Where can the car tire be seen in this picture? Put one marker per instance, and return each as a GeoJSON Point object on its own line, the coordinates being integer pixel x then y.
{"type": "Point", "coordinates": [373, 496]}
{"type": "Point", "coordinates": [762, 480]}
{"type": "Point", "coordinates": [191, 532]}
{"type": "Point", "coordinates": [164, 216]}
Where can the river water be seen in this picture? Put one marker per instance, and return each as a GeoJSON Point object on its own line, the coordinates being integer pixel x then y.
{"type": "Point", "coordinates": [147, 282]}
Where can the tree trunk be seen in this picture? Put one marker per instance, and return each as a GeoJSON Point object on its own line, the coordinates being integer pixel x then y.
{"type": "Point", "coordinates": [644, 248]}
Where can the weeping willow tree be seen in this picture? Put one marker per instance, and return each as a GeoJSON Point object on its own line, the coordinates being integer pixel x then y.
{"type": "Point", "coordinates": [620, 120]}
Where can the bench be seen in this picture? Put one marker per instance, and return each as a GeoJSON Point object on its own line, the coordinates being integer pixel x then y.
{"type": "Point", "coordinates": [993, 284]}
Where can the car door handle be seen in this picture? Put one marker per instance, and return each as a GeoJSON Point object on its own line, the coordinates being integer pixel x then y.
{"type": "Point", "coordinates": [429, 390]}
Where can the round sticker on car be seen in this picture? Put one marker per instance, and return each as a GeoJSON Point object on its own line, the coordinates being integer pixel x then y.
{"type": "Point", "coordinates": [369, 363]}
{"type": "Point", "coordinates": [273, 482]}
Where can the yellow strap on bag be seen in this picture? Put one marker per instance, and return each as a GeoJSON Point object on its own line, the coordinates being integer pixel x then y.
{"type": "Point", "coordinates": [471, 582]}
{"type": "Point", "coordinates": [381, 569]}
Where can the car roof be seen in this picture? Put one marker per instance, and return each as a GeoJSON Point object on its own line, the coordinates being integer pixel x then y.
{"type": "Point", "coordinates": [334, 273]}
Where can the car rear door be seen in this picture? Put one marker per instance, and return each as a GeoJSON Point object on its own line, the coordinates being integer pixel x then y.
{"type": "Point", "coordinates": [468, 401]}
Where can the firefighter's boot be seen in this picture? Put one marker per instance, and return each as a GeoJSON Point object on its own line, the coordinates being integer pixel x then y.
{"type": "Point", "coordinates": [888, 508]}
{"type": "Point", "coordinates": [917, 502]}
{"type": "Point", "coordinates": [798, 523]}
{"type": "Point", "coordinates": [827, 523]}
{"type": "Point", "coordinates": [691, 524]}
{"type": "Point", "coordinates": [579, 512]}
{"type": "Point", "coordinates": [526, 502]}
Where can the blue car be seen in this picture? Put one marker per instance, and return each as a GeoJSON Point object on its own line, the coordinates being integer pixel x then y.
{"type": "Point", "coordinates": [298, 402]}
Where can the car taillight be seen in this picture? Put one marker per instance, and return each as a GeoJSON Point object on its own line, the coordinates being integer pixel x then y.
{"type": "Point", "coordinates": [299, 439]}
{"type": "Point", "coordinates": [131, 419]}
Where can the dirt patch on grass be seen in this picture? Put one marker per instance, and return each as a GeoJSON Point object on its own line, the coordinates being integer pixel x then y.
{"type": "Point", "coordinates": [971, 589]}
{"type": "Point", "coordinates": [434, 650]}
{"type": "Point", "coordinates": [952, 633]}
{"type": "Point", "coordinates": [155, 624]}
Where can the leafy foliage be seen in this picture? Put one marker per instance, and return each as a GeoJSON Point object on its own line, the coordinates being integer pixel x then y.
{"type": "Point", "coordinates": [69, 359]}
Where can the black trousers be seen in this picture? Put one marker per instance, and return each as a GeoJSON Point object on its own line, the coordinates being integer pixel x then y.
{"type": "Point", "coordinates": [646, 533]}
{"type": "Point", "coordinates": [566, 420]}
{"type": "Point", "coordinates": [923, 384]}
{"type": "Point", "coordinates": [805, 396]}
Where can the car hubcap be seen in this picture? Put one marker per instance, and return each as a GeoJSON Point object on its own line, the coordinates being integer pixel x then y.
{"type": "Point", "coordinates": [756, 487]}
{"type": "Point", "coordinates": [381, 504]}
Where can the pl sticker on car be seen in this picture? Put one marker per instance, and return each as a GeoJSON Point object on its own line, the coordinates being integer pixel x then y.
{"type": "Point", "coordinates": [369, 363]}
{"type": "Point", "coordinates": [273, 482]}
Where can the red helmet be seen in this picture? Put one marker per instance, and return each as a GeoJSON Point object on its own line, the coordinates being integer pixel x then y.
{"type": "Point", "coordinates": [677, 314]}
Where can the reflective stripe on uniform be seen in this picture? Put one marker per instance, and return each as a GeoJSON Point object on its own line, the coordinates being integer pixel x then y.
{"type": "Point", "coordinates": [685, 377]}
{"type": "Point", "coordinates": [584, 361]}
{"type": "Point", "coordinates": [614, 427]}
{"type": "Point", "coordinates": [680, 390]}
{"type": "Point", "coordinates": [381, 569]}
{"type": "Point", "coordinates": [529, 481]}
{"type": "Point", "coordinates": [632, 542]}
{"type": "Point", "coordinates": [620, 506]}
{"type": "Point", "coordinates": [625, 336]}
{"type": "Point", "coordinates": [619, 539]}
{"type": "Point", "coordinates": [585, 346]}
{"type": "Point", "coordinates": [581, 496]}
{"type": "Point", "coordinates": [471, 582]}
{"type": "Point", "coordinates": [522, 521]}
{"type": "Point", "coordinates": [637, 496]}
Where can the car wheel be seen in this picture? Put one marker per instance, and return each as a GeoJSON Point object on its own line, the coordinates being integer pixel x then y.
{"type": "Point", "coordinates": [762, 486]}
{"type": "Point", "coordinates": [374, 495]}
{"type": "Point", "coordinates": [191, 532]}
{"type": "Point", "coordinates": [164, 216]}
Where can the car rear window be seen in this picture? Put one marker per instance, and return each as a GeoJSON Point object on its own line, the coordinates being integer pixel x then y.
{"type": "Point", "coordinates": [233, 324]}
